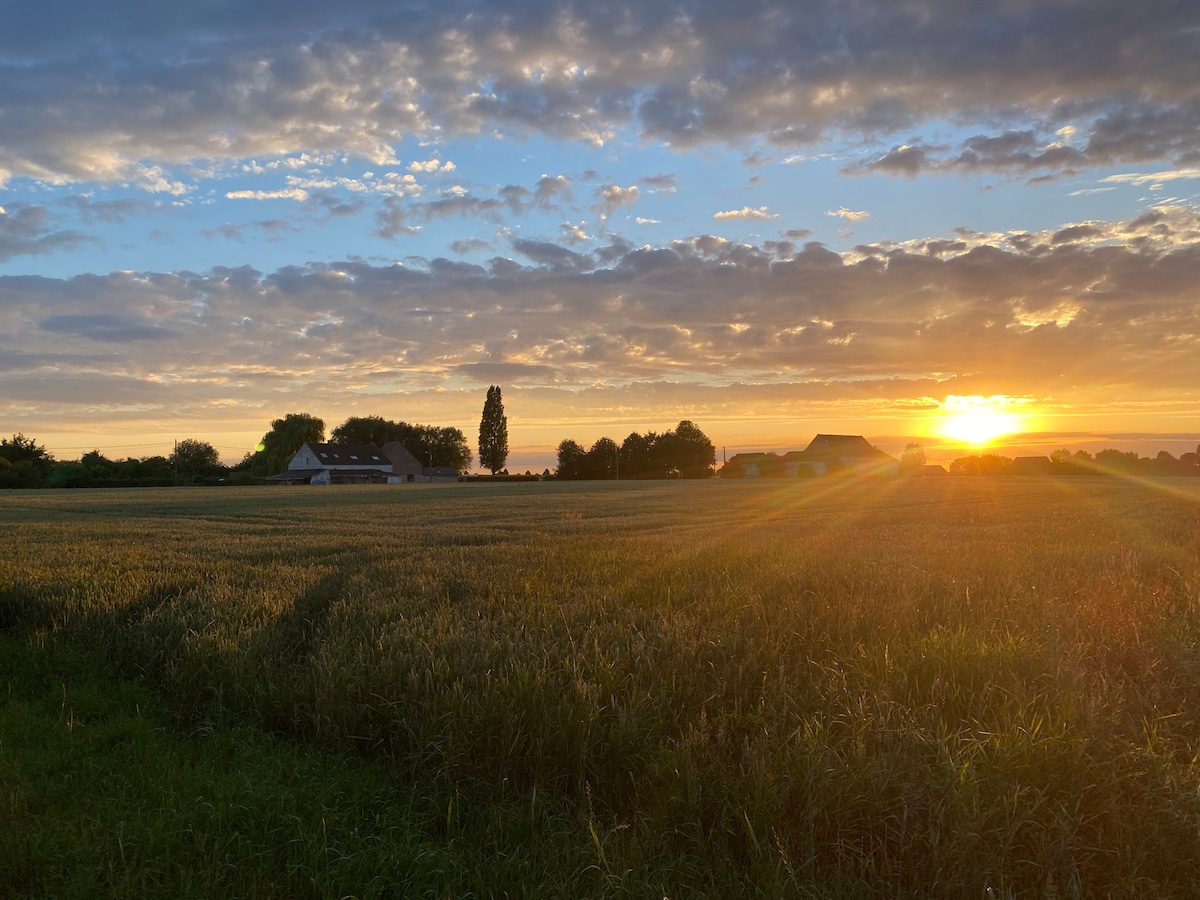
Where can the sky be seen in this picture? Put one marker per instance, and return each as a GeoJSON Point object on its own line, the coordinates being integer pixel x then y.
{"type": "Point", "coordinates": [771, 218]}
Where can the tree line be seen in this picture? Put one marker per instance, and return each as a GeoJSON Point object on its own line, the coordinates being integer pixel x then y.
{"type": "Point", "coordinates": [1107, 462]}
{"type": "Point", "coordinates": [685, 452]}
{"type": "Point", "coordinates": [26, 464]}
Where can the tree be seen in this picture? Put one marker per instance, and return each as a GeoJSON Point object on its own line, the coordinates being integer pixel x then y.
{"type": "Point", "coordinates": [30, 464]}
{"type": "Point", "coordinates": [638, 456]}
{"type": "Point", "coordinates": [493, 432]}
{"type": "Point", "coordinates": [1112, 460]}
{"type": "Point", "coordinates": [570, 460]}
{"type": "Point", "coordinates": [600, 462]}
{"type": "Point", "coordinates": [430, 444]}
{"type": "Point", "coordinates": [286, 436]}
{"type": "Point", "coordinates": [194, 459]}
{"type": "Point", "coordinates": [372, 430]}
{"type": "Point", "coordinates": [69, 475]}
{"type": "Point", "coordinates": [912, 458]}
{"type": "Point", "coordinates": [691, 453]}
{"type": "Point", "coordinates": [443, 447]}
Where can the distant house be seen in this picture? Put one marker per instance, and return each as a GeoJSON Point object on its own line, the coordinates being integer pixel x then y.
{"type": "Point", "coordinates": [445, 474]}
{"type": "Point", "coordinates": [747, 465]}
{"type": "Point", "coordinates": [825, 454]}
{"type": "Point", "coordinates": [320, 463]}
{"type": "Point", "coordinates": [850, 454]}
{"type": "Point", "coordinates": [1032, 465]}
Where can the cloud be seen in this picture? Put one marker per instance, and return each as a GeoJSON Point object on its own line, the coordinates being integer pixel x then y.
{"type": "Point", "coordinates": [745, 214]}
{"type": "Point", "coordinates": [285, 194]}
{"type": "Point", "coordinates": [552, 255]}
{"type": "Point", "coordinates": [431, 166]}
{"type": "Point", "coordinates": [612, 197]}
{"type": "Point", "coordinates": [575, 233]}
{"type": "Point", "coordinates": [662, 184]}
{"type": "Point", "coordinates": [469, 245]}
{"type": "Point", "coordinates": [271, 227]}
{"type": "Point", "coordinates": [221, 83]}
{"type": "Point", "coordinates": [103, 327]}
{"type": "Point", "coordinates": [552, 191]}
{"type": "Point", "coordinates": [1105, 311]}
{"type": "Point", "coordinates": [1140, 179]}
{"type": "Point", "coordinates": [24, 232]}
{"type": "Point", "coordinates": [849, 215]}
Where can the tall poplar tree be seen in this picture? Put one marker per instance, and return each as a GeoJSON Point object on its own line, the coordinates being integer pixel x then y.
{"type": "Point", "coordinates": [493, 432]}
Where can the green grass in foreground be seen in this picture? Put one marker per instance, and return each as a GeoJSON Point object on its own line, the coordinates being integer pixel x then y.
{"type": "Point", "coordinates": [942, 688]}
{"type": "Point", "coordinates": [101, 797]}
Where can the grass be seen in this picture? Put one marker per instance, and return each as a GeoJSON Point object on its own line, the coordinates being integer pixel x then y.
{"type": "Point", "coordinates": [914, 688]}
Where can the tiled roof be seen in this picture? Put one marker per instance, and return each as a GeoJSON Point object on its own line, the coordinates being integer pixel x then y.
{"type": "Point", "coordinates": [349, 454]}
{"type": "Point", "coordinates": [844, 446]}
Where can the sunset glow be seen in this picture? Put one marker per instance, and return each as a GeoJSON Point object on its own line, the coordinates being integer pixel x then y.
{"type": "Point", "coordinates": [774, 220]}
{"type": "Point", "coordinates": [979, 420]}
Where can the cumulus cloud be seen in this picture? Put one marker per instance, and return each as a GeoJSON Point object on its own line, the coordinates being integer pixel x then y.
{"type": "Point", "coordinates": [612, 197]}
{"type": "Point", "coordinates": [225, 83]}
{"type": "Point", "coordinates": [745, 214]}
{"type": "Point", "coordinates": [1108, 312]}
{"type": "Point", "coordinates": [551, 191]}
{"type": "Point", "coordinates": [431, 166]}
{"type": "Point", "coordinates": [849, 215]}
{"type": "Point", "coordinates": [284, 194]}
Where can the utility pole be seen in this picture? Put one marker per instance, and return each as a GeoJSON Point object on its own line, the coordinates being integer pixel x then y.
{"type": "Point", "coordinates": [175, 460]}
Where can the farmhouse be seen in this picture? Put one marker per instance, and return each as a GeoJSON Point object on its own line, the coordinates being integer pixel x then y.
{"type": "Point", "coordinates": [1032, 465]}
{"type": "Point", "coordinates": [825, 454]}
{"type": "Point", "coordinates": [750, 465]}
{"type": "Point", "coordinates": [319, 463]}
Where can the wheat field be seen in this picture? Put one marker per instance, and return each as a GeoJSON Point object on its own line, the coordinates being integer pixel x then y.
{"type": "Point", "coordinates": [956, 687]}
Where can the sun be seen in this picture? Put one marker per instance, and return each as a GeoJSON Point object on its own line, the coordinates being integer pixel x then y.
{"type": "Point", "coordinates": [979, 420]}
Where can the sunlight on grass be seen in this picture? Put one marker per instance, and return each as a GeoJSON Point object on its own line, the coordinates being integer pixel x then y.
{"type": "Point", "coordinates": [823, 688]}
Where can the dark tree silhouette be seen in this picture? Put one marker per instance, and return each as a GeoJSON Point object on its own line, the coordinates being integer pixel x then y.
{"type": "Point", "coordinates": [430, 444]}
{"type": "Point", "coordinates": [570, 460]}
{"type": "Point", "coordinates": [193, 459]}
{"type": "Point", "coordinates": [691, 453]}
{"type": "Point", "coordinates": [601, 460]}
{"type": "Point", "coordinates": [493, 432]}
{"type": "Point", "coordinates": [29, 464]}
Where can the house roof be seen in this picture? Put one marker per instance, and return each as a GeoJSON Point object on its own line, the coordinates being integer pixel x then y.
{"type": "Point", "coordinates": [744, 458]}
{"type": "Point", "coordinates": [1032, 465]}
{"type": "Point", "coordinates": [439, 472]}
{"type": "Point", "coordinates": [844, 446]}
{"type": "Point", "coordinates": [357, 455]}
{"type": "Point", "coordinates": [400, 456]}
